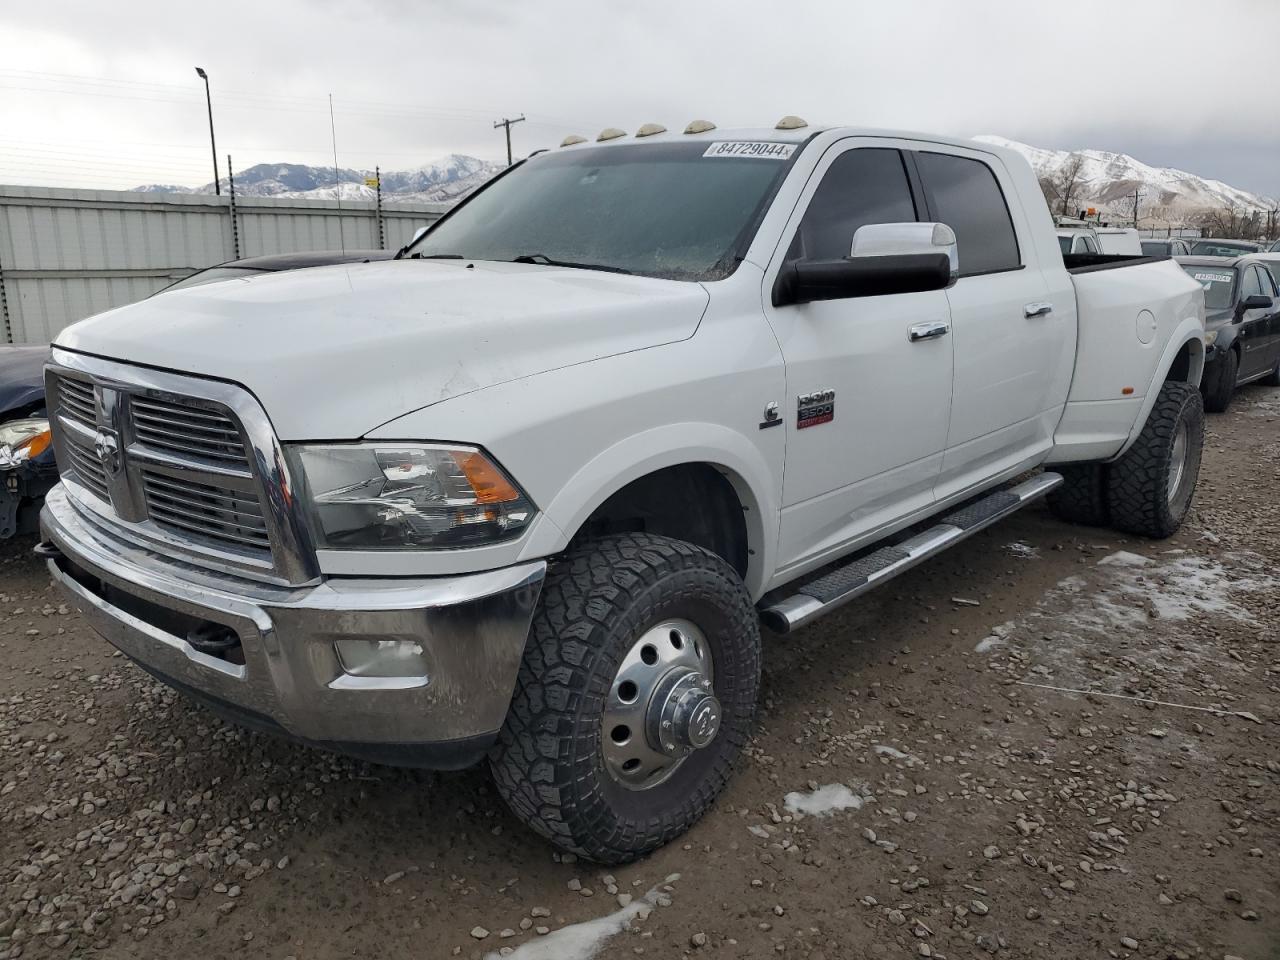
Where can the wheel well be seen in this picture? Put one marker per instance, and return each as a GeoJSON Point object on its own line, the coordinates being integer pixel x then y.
{"type": "Point", "coordinates": [1188, 364]}
{"type": "Point", "coordinates": [694, 502]}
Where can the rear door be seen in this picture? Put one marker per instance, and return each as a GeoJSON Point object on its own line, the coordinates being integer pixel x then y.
{"type": "Point", "coordinates": [1014, 338]}
{"type": "Point", "coordinates": [866, 407]}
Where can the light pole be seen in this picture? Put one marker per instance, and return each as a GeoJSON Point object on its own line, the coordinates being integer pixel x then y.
{"type": "Point", "coordinates": [212, 143]}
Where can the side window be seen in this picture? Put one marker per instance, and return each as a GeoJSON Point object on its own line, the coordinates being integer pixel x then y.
{"type": "Point", "coordinates": [1089, 245]}
{"type": "Point", "coordinates": [863, 185]}
{"type": "Point", "coordinates": [1274, 269]}
{"type": "Point", "coordinates": [965, 195]}
{"type": "Point", "coordinates": [1250, 286]}
{"type": "Point", "coordinates": [1264, 282]}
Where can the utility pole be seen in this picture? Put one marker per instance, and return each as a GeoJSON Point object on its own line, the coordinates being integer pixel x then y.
{"type": "Point", "coordinates": [1137, 198]}
{"type": "Point", "coordinates": [506, 123]}
{"type": "Point", "coordinates": [213, 144]}
{"type": "Point", "coordinates": [235, 225]}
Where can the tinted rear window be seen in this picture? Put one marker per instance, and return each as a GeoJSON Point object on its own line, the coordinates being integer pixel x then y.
{"type": "Point", "coordinates": [966, 196]}
{"type": "Point", "coordinates": [1217, 283]}
{"type": "Point", "coordinates": [1156, 248]}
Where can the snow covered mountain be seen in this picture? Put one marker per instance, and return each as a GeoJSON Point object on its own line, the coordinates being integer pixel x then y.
{"type": "Point", "coordinates": [441, 180]}
{"type": "Point", "coordinates": [1110, 178]}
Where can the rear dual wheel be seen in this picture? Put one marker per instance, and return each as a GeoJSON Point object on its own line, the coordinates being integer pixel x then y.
{"type": "Point", "coordinates": [635, 697]}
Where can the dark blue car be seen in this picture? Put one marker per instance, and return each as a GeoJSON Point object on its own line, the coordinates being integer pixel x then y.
{"type": "Point", "coordinates": [27, 469]}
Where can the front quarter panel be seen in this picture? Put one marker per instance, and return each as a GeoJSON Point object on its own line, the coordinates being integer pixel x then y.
{"type": "Point", "coordinates": [572, 437]}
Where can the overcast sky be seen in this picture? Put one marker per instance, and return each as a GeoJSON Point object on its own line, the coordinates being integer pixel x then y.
{"type": "Point", "coordinates": [105, 94]}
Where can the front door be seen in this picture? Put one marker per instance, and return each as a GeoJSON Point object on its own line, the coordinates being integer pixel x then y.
{"type": "Point", "coordinates": [866, 408]}
{"type": "Point", "coordinates": [1256, 332]}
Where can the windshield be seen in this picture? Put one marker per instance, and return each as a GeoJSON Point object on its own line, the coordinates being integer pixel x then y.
{"type": "Point", "coordinates": [671, 210]}
{"type": "Point", "coordinates": [1065, 244]}
{"type": "Point", "coordinates": [1217, 283]}
{"type": "Point", "coordinates": [1222, 248]}
{"type": "Point", "coordinates": [1156, 248]}
{"type": "Point", "coordinates": [212, 275]}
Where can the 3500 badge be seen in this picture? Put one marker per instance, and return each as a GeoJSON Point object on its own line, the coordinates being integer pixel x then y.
{"type": "Point", "coordinates": [815, 408]}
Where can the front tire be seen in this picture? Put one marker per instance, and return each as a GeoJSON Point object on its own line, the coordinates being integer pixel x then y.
{"type": "Point", "coordinates": [1220, 382]}
{"type": "Point", "coordinates": [561, 762]}
{"type": "Point", "coordinates": [1150, 488]}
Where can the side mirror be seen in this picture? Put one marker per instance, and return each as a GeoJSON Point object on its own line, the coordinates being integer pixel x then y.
{"type": "Point", "coordinates": [884, 258]}
{"type": "Point", "coordinates": [1256, 301]}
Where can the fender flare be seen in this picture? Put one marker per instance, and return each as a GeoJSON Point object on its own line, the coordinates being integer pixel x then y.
{"type": "Point", "coordinates": [1190, 330]}
{"type": "Point", "coordinates": [638, 455]}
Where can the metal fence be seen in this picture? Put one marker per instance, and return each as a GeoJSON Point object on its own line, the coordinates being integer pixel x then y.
{"type": "Point", "coordinates": [68, 254]}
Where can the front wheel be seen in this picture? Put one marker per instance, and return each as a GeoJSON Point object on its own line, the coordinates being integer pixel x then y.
{"type": "Point", "coordinates": [1220, 382]}
{"type": "Point", "coordinates": [1149, 489]}
{"type": "Point", "coordinates": [635, 698]}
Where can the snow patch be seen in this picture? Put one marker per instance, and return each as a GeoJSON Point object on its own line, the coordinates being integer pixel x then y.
{"type": "Point", "coordinates": [999, 636]}
{"type": "Point", "coordinates": [1024, 550]}
{"type": "Point", "coordinates": [582, 941]}
{"type": "Point", "coordinates": [822, 802]}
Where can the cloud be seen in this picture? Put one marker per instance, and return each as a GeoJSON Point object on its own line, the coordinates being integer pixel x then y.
{"type": "Point", "coordinates": [413, 81]}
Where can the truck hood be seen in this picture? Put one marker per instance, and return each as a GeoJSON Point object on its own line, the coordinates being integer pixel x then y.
{"type": "Point", "coordinates": [333, 352]}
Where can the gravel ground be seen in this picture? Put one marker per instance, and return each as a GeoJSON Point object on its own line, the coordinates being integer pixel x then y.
{"type": "Point", "coordinates": [1053, 742]}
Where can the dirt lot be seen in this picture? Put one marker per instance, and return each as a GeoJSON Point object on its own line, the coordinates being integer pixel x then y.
{"type": "Point", "coordinates": [990, 806]}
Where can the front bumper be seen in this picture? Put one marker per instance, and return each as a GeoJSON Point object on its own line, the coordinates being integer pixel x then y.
{"type": "Point", "coordinates": [291, 681]}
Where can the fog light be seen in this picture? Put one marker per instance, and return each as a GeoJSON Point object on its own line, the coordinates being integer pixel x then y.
{"type": "Point", "coordinates": [381, 658]}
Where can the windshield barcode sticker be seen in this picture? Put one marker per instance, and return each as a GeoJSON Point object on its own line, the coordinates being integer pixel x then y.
{"type": "Point", "coordinates": [757, 149]}
{"type": "Point", "coordinates": [1214, 277]}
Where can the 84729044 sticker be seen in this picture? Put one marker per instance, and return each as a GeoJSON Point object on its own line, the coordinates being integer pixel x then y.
{"type": "Point", "coordinates": [754, 149]}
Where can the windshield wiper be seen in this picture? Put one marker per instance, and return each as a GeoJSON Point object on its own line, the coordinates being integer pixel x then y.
{"type": "Point", "coordinates": [436, 256]}
{"type": "Point", "coordinates": [546, 261]}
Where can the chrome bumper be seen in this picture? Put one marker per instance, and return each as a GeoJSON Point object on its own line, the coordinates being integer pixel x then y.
{"type": "Point", "coordinates": [471, 629]}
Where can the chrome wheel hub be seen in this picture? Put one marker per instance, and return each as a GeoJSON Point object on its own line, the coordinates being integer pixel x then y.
{"type": "Point", "coordinates": [1178, 461]}
{"type": "Point", "coordinates": [661, 705]}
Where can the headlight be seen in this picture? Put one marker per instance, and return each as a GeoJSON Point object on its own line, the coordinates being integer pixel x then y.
{"type": "Point", "coordinates": [390, 495]}
{"type": "Point", "coordinates": [1210, 337]}
{"type": "Point", "coordinates": [24, 438]}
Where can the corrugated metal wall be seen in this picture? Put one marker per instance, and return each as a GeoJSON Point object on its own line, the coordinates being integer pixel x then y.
{"type": "Point", "coordinates": [68, 254]}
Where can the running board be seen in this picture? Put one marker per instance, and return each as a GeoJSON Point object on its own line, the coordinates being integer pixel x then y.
{"type": "Point", "coordinates": [854, 579]}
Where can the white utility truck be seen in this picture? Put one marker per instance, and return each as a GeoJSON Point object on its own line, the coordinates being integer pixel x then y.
{"type": "Point", "coordinates": [527, 492]}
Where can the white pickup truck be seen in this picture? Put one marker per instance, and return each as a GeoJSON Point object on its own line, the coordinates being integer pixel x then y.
{"type": "Point", "coordinates": [528, 491]}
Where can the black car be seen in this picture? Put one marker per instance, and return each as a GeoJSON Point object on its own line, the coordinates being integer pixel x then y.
{"type": "Point", "coordinates": [1224, 248]}
{"type": "Point", "coordinates": [27, 467]}
{"type": "Point", "coordinates": [273, 263]}
{"type": "Point", "coordinates": [1242, 325]}
{"type": "Point", "coordinates": [1167, 247]}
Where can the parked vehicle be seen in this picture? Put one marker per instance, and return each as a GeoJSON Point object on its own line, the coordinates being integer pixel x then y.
{"type": "Point", "coordinates": [1275, 247]}
{"type": "Point", "coordinates": [1169, 247]}
{"type": "Point", "coordinates": [1242, 325]}
{"type": "Point", "coordinates": [526, 492]}
{"type": "Point", "coordinates": [1213, 247]}
{"type": "Point", "coordinates": [273, 263]}
{"type": "Point", "coordinates": [1119, 240]}
{"type": "Point", "coordinates": [27, 467]}
{"type": "Point", "coordinates": [1078, 240]}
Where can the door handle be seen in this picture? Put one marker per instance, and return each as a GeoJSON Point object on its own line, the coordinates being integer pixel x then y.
{"type": "Point", "coordinates": [928, 331]}
{"type": "Point", "coordinates": [1040, 309]}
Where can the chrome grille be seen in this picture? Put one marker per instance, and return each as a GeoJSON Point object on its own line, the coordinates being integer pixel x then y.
{"type": "Point", "coordinates": [172, 469]}
{"type": "Point", "coordinates": [86, 467]}
{"type": "Point", "coordinates": [185, 428]}
{"type": "Point", "coordinates": [214, 513]}
{"type": "Point", "coordinates": [76, 401]}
